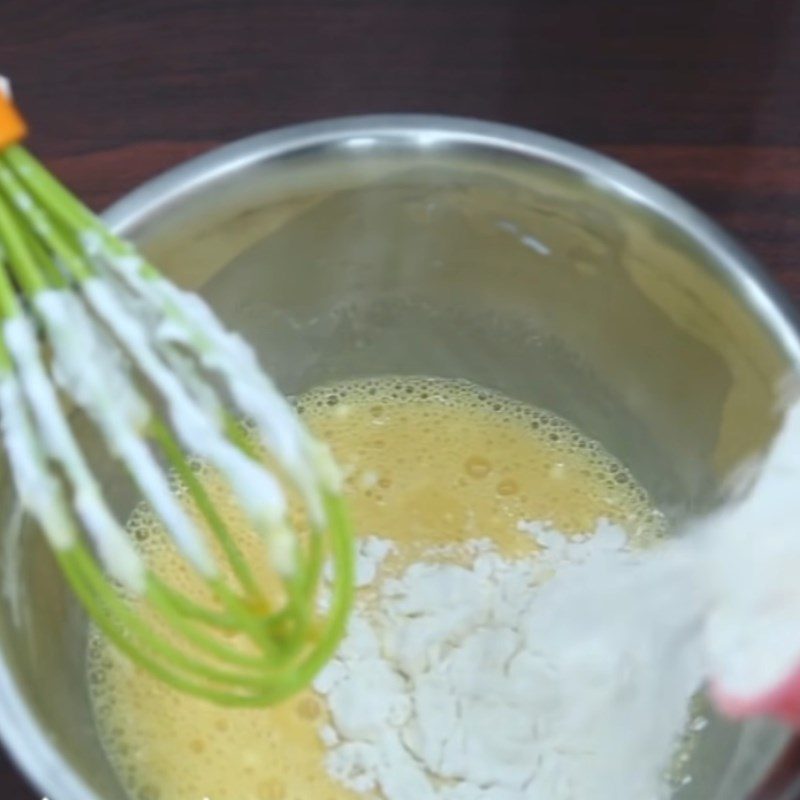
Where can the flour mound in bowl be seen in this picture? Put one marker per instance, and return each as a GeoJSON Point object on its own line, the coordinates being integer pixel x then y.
{"type": "Point", "coordinates": [456, 681]}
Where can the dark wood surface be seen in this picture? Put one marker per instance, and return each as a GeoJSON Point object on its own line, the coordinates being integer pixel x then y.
{"type": "Point", "coordinates": [703, 95]}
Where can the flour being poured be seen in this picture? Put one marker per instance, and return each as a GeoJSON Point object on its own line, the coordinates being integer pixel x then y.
{"type": "Point", "coordinates": [569, 674]}
{"type": "Point", "coordinates": [463, 682]}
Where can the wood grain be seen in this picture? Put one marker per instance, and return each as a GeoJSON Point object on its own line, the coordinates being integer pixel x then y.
{"type": "Point", "coordinates": [700, 94]}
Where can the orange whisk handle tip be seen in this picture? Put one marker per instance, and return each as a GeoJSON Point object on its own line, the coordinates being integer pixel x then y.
{"type": "Point", "coordinates": [12, 126]}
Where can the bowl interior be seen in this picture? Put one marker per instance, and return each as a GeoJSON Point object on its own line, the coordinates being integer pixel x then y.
{"type": "Point", "coordinates": [522, 265]}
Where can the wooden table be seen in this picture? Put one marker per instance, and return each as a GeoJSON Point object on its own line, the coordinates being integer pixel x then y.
{"type": "Point", "coordinates": [703, 95]}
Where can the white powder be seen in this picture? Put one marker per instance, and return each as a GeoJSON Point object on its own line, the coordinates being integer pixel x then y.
{"type": "Point", "coordinates": [466, 683]}
{"type": "Point", "coordinates": [568, 675]}
{"type": "Point", "coordinates": [750, 555]}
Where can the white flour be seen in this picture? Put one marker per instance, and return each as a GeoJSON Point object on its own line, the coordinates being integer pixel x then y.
{"type": "Point", "coordinates": [568, 675]}
{"type": "Point", "coordinates": [465, 683]}
{"type": "Point", "coordinates": [751, 558]}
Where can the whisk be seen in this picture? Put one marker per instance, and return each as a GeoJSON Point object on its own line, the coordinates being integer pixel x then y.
{"type": "Point", "coordinates": [87, 321]}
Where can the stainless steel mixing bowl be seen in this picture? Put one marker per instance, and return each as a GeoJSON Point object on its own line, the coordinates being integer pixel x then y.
{"type": "Point", "coordinates": [452, 248]}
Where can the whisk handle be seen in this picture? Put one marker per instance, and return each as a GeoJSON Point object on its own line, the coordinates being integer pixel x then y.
{"type": "Point", "coordinates": [12, 126]}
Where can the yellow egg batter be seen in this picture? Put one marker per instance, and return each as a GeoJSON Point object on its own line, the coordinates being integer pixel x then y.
{"type": "Point", "coordinates": [427, 462]}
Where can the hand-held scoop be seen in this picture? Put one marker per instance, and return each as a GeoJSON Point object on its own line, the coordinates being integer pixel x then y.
{"type": "Point", "coordinates": [86, 321]}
